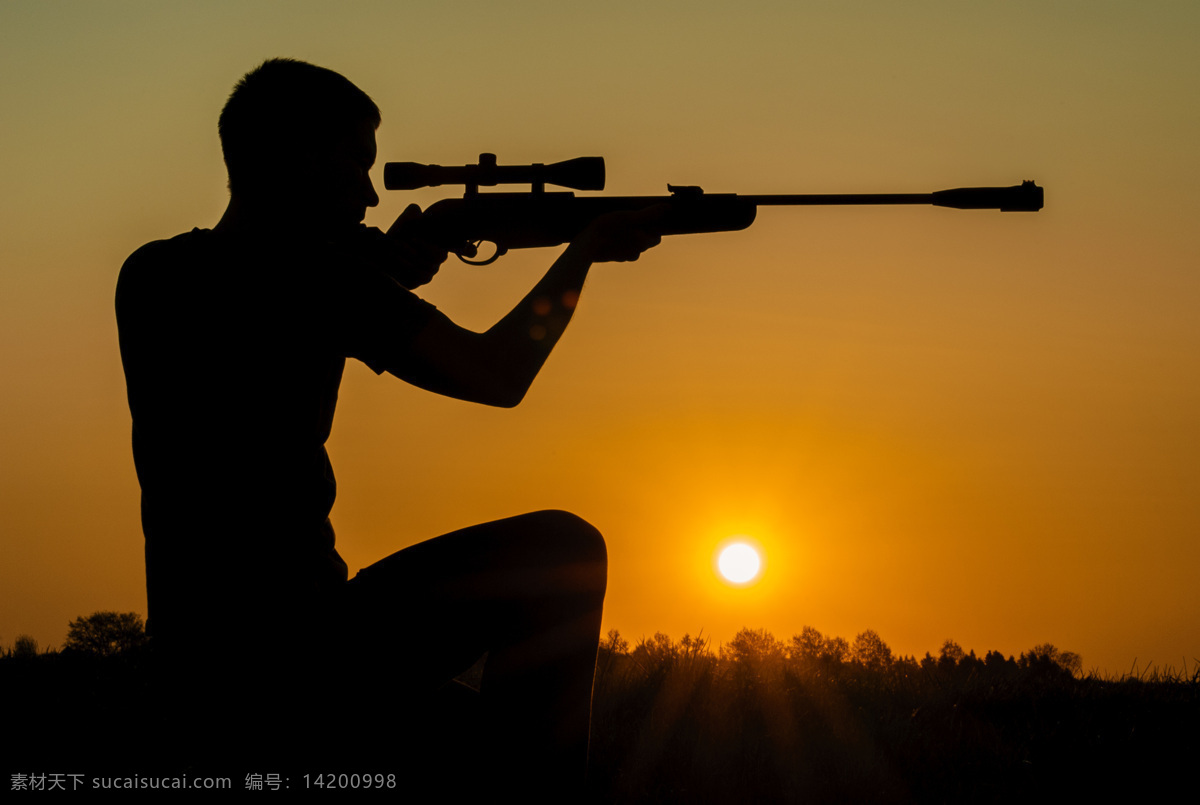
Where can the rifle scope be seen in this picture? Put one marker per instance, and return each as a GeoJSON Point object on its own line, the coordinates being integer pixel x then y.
{"type": "Point", "coordinates": [582, 173]}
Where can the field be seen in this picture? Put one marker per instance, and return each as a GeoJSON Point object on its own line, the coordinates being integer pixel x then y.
{"type": "Point", "coordinates": [756, 720]}
{"type": "Point", "coordinates": [769, 724]}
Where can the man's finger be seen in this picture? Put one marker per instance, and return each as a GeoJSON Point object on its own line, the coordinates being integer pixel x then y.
{"type": "Point", "coordinates": [411, 214]}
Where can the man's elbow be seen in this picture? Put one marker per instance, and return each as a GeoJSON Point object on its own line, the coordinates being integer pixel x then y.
{"type": "Point", "coordinates": [507, 396]}
{"type": "Point", "coordinates": [494, 391]}
{"type": "Point", "coordinates": [499, 383]}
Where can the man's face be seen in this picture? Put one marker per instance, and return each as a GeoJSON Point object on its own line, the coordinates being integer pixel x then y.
{"type": "Point", "coordinates": [340, 184]}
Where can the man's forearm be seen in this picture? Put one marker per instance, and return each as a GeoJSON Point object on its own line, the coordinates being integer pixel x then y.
{"type": "Point", "coordinates": [522, 340]}
{"type": "Point", "coordinates": [498, 366]}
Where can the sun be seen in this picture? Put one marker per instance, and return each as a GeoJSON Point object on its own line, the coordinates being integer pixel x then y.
{"type": "Point", "coordinates": [739, 562]}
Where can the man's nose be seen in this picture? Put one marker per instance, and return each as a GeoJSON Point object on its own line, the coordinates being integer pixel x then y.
{"type": "Point", "coordinates": [372, 198]}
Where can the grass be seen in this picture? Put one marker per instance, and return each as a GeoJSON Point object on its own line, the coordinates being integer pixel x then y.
{"type": "Point", "coordinates": [754, 721]}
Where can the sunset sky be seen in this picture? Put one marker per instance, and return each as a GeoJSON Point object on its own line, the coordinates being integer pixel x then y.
{"type": "Point", "coordinates": [937, 424]}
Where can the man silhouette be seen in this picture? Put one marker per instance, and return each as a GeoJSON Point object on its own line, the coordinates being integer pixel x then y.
{"type": "Point", "coordinates": [234, 341]}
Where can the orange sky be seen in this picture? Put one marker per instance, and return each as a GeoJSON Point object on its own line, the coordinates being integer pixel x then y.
{"type": "Point", "coordinates": [939, 424]}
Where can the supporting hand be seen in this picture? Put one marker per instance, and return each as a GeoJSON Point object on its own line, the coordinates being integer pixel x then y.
{"type": "Point", "coordinates": [622, 236]}
{"type": "Point", "coordinates": [412, 260]}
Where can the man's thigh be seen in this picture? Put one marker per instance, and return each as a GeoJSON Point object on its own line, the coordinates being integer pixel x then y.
{"type": "Point", "coordinates": [432, 609]}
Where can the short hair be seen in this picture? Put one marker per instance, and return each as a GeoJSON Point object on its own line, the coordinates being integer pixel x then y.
{"type": "Point", "coordinates": [280, 110]}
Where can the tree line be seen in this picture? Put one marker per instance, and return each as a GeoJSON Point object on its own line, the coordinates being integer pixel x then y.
{"type": "Point", "coordinates": [814, 654]}
{"type": "Point", "coordinates": [101, 634]}
{"type": "Point", "coordinates": [814, 718]}
{"type": "Point", "coordinates": [107, 634]}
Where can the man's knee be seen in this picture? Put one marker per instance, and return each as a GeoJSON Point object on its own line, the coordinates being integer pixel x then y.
{"type": "Point", "coordinates": [574, 536]}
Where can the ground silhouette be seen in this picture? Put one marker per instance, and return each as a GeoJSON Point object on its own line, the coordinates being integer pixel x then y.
{"type": "Point", "coordinates": [755, 719]}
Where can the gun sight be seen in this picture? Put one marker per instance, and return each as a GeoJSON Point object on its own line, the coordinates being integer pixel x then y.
{"type": "Point", "coordinates": [582, 173]}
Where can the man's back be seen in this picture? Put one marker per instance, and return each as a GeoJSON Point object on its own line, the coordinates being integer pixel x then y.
{"type": "Point", "coordinates": [233, 350]}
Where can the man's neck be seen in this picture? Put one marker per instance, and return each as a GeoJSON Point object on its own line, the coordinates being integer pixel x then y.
{"type": "Point", "coordinates": [243, 217]}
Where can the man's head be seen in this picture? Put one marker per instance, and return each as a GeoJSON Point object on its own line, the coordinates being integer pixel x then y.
{"type": "Point", "coordinates": [294, 133]}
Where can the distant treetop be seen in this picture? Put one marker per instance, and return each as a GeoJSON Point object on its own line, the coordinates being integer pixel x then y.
{"type": "Point", "coordinates": [106, 634]}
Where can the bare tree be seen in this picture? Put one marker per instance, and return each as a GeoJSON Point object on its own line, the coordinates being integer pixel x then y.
{"type": "Point", "coordinates": [614, 643]}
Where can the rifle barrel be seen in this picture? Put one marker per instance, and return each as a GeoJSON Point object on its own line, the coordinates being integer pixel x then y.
{"type": "Point", "coordinates": [1025, 197]}
{"type": "Point", "coordinates": [814, 199]}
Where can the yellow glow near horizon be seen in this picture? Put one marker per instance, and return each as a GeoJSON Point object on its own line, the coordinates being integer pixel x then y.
{"type": "Point", "coordinates": [739, 562]}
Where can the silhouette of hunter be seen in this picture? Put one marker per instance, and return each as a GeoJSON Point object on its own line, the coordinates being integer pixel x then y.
{"type": "Point", "coordinates": [234, 340]}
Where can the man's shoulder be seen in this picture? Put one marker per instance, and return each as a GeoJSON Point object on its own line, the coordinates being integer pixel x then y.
{"type": "Point", "coordinates": [154, 273]}
{"type": "Point", "coordinates": [157, 252]}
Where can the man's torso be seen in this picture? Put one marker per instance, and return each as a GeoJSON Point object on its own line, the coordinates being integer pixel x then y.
{"type": "Point", "coordinates": [233, 351]}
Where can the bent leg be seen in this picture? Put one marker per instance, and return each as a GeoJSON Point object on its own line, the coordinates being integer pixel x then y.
{"type": "Point", "coordinates": [529, 591]}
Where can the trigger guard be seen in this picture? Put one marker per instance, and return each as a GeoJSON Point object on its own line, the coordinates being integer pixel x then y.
{"type": "Point", "coordinates": [500, 252]}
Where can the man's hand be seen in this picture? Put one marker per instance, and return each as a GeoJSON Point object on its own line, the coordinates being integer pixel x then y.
{"type": "Point", "coordinates": [621, 237]}
{"type": "Point", "coordinates": [404, 254]}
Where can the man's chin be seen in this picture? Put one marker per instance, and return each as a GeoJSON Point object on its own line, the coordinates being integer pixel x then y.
{"type": "Point", "coordinates": [352, 222]}
{"type": "Point", "coordinates": [333, 228]}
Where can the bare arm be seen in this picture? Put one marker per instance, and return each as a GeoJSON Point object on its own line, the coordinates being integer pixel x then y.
{"type": "Point", "coordinates": [498, 366]}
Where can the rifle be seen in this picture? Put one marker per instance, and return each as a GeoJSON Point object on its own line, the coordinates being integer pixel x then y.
{"type": "Point", "coordinates": [537, 218]}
